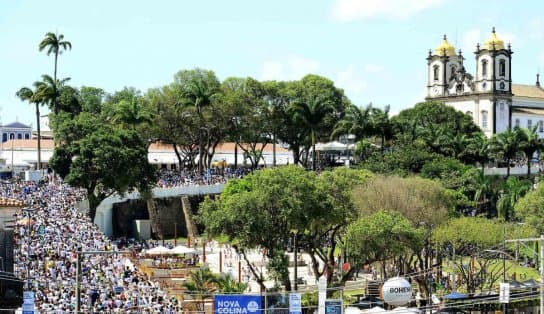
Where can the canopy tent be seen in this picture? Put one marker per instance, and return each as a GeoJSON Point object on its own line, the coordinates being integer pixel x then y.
{"type": "Point", "coordinates": [403, 309]}
{"type": "Point", "coordinates": [376, 309]}
{"type": "Point", "coordinates": [331, 146]}
{"type": "Point", "coordinates": [181, 249]}
{"type": "Point", "coordinates": [352, 310]}
{"type": "Point", "coordinates": [455, 296]}
{"type": "Point", "coordinates": [158, 250]}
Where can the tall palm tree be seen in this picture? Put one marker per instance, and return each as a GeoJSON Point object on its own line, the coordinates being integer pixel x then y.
{"type": "Point", "coordinates": [54, 44]}
{"type": "Point", "coordinates": [484, 188]}
{"type": "Point", "coordinates": [530, 143]}
{"type": "Point", "coordinates": [199, 91]}
{"type": "Point", "coordinates": [355, 122]}
{"type": "Point", "coordinates": [505, 146]}
{"type": "Point", "coordinates": [381, 124]}
{"type": "Point", "coordinates": [49, 89]}
{"type": "Point", "coordinates": [311, 110]}
{"type": "Point", "coordinates": [477, 149]}
{"type": "Point", "coordinates": [512, 190]}
{"type": "Point", "coordinates": [33, 97]}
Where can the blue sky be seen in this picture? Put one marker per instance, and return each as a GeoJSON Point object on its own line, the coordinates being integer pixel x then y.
{"type": "Point", "coordinates": [374, 49]}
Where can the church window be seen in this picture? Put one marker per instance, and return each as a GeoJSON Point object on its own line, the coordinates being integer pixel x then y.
{"type": "Point", "coordinates": [484, 67]}
{"type": "Point", "coordinates": [469, 113]}
{"type": "Point", "coordinates": [453, 71]}
{"type": "Point", "coordinates": [436, 68]}
{"type": "Point", "coordinates": [484, 120]}
{"type": "Point", "coordinates": [4, 137]}
{"type": "Point", "coordinates": [19, 136]}
{"type": "Point", "coordinates": [27, 136]}
{"type": "Point", "coordinates": [502, 67]}
{"type": "Point", "coordinates": [517, 123]}
{"type": "Point", "coordinates": [540, 126]}
{"type": "Point", "coordinates": [529, 124]}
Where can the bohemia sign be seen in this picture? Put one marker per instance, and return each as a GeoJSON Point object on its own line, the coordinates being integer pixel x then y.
{"type": "Point", "coordinates": [397, 291]}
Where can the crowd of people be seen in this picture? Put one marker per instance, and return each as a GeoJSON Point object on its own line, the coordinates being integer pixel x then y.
{"type": "Point", "coordinates": [50, 230]}
{"type": "Point", "coordinates": [176, 178]}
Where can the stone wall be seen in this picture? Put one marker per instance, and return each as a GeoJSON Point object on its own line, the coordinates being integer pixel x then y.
{"type": "Point", "coordinates": [169, 210]}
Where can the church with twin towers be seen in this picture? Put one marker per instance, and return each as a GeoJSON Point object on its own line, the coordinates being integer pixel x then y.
{"type": "Point", "coordinates": [489, 95]}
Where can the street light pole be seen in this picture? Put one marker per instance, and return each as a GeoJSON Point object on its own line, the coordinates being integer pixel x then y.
{"type": "Point", "coordinates": [12, 137]}
{"type": "Point", "coordinates": [296, 261]}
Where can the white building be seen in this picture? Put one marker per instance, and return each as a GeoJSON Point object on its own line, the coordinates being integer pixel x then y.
{"type": "Point", "coordinates": [489, 96]}
{"type": "Point", "coordinates": [23, 154]}
{"type": "Point", "coordinates": [16, 131]}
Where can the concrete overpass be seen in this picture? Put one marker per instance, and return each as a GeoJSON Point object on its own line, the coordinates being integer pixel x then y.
{"type": "Point", "coordinates": [104, 211]}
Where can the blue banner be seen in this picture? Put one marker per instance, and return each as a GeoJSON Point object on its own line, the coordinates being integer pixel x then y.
{"type": "Point", "coordinates": [237, 304]}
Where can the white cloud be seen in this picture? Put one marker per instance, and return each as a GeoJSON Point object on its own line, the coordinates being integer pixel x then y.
{"type": "Point", "coordinates": [293, 68]}
{"type": "Point", "coordinates": [349, 10]}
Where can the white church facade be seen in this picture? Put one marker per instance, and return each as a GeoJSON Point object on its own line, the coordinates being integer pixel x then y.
{"type": "Point", "coordinates": [490, 97]}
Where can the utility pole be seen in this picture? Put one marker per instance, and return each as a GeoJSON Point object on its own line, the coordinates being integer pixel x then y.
{"type": "Point", "coordinates": [541, 240]}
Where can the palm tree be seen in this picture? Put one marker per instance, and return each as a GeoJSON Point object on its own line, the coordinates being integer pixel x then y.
{"type": "Point", "coordinates": [54, 44]}
{"type": "Point", "coordinates": [505, 146]}
{"type": "Point", "coordinates": [484, 188]}
{"type": "Point", "coordinates": [33, 97]}
{"type": "Point", "coordinates": [199, 91]}
{"type": "Point", "coordinates": [311, 110]}
{"type": "Point", "coordinates": [49, 89]}
{"type": "Point", "coordinates": [226, 284]}
{"type": "Point", "coordinates": [201, 284]}
{"type": "Point", "coordinates": [513, 189]}
{"type": "Point", "coordinates": [477, 149]}
{"type": "Point", "coordinates": [356, 122]}
{"type": "Point", "coordinates": [530, 143]}
{"type": "Point", "coordinates": [132, 113]}
{"type": "Point", "coordinates": [381, 124]}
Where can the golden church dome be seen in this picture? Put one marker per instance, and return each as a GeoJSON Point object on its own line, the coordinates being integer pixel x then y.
{"type": "Point", "coordinates": [445, 48]}
{"type": "Point", "coordinates": [494, 42]}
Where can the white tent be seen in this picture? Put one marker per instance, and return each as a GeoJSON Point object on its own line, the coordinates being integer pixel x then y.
{"type": "Point", "coordinates": [405, 310]}
{"type": "Point", "coordinates": [376, 309]}
{"type": "Point", "coordinates": [352, 310]}
{"type": "Point", "coordinates": [330, 146]}
{"type": "Point", "coordinates": [158, 250]}
{"type": "Point", "coordinates": [181, 249]}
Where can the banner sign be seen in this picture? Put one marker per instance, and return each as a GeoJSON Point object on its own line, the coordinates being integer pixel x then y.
{"type": "Point", "coordinates": [237, 304]}
{"type": "Point", "coordinates": [333, 306]}
{"type": "Point", "coordinates": [295, 303]}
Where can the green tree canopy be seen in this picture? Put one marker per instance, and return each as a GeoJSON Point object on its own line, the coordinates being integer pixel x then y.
{"type": "Point", "coordinates": [436, 125]}
{"type": "Point", "coordinates": [382, 236]}
{"type": "Point", "coordinates": [530, 208]}
{"type": "Point", "coordinates": [421, 201]}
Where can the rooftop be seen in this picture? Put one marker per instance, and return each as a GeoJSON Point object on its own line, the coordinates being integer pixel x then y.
{"type": "Point", "coordinates": [48, 144]}
{"type": "Point", "coordinates": [529, 91]}
{"type": "Point", "coordinates": [16, 125]}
